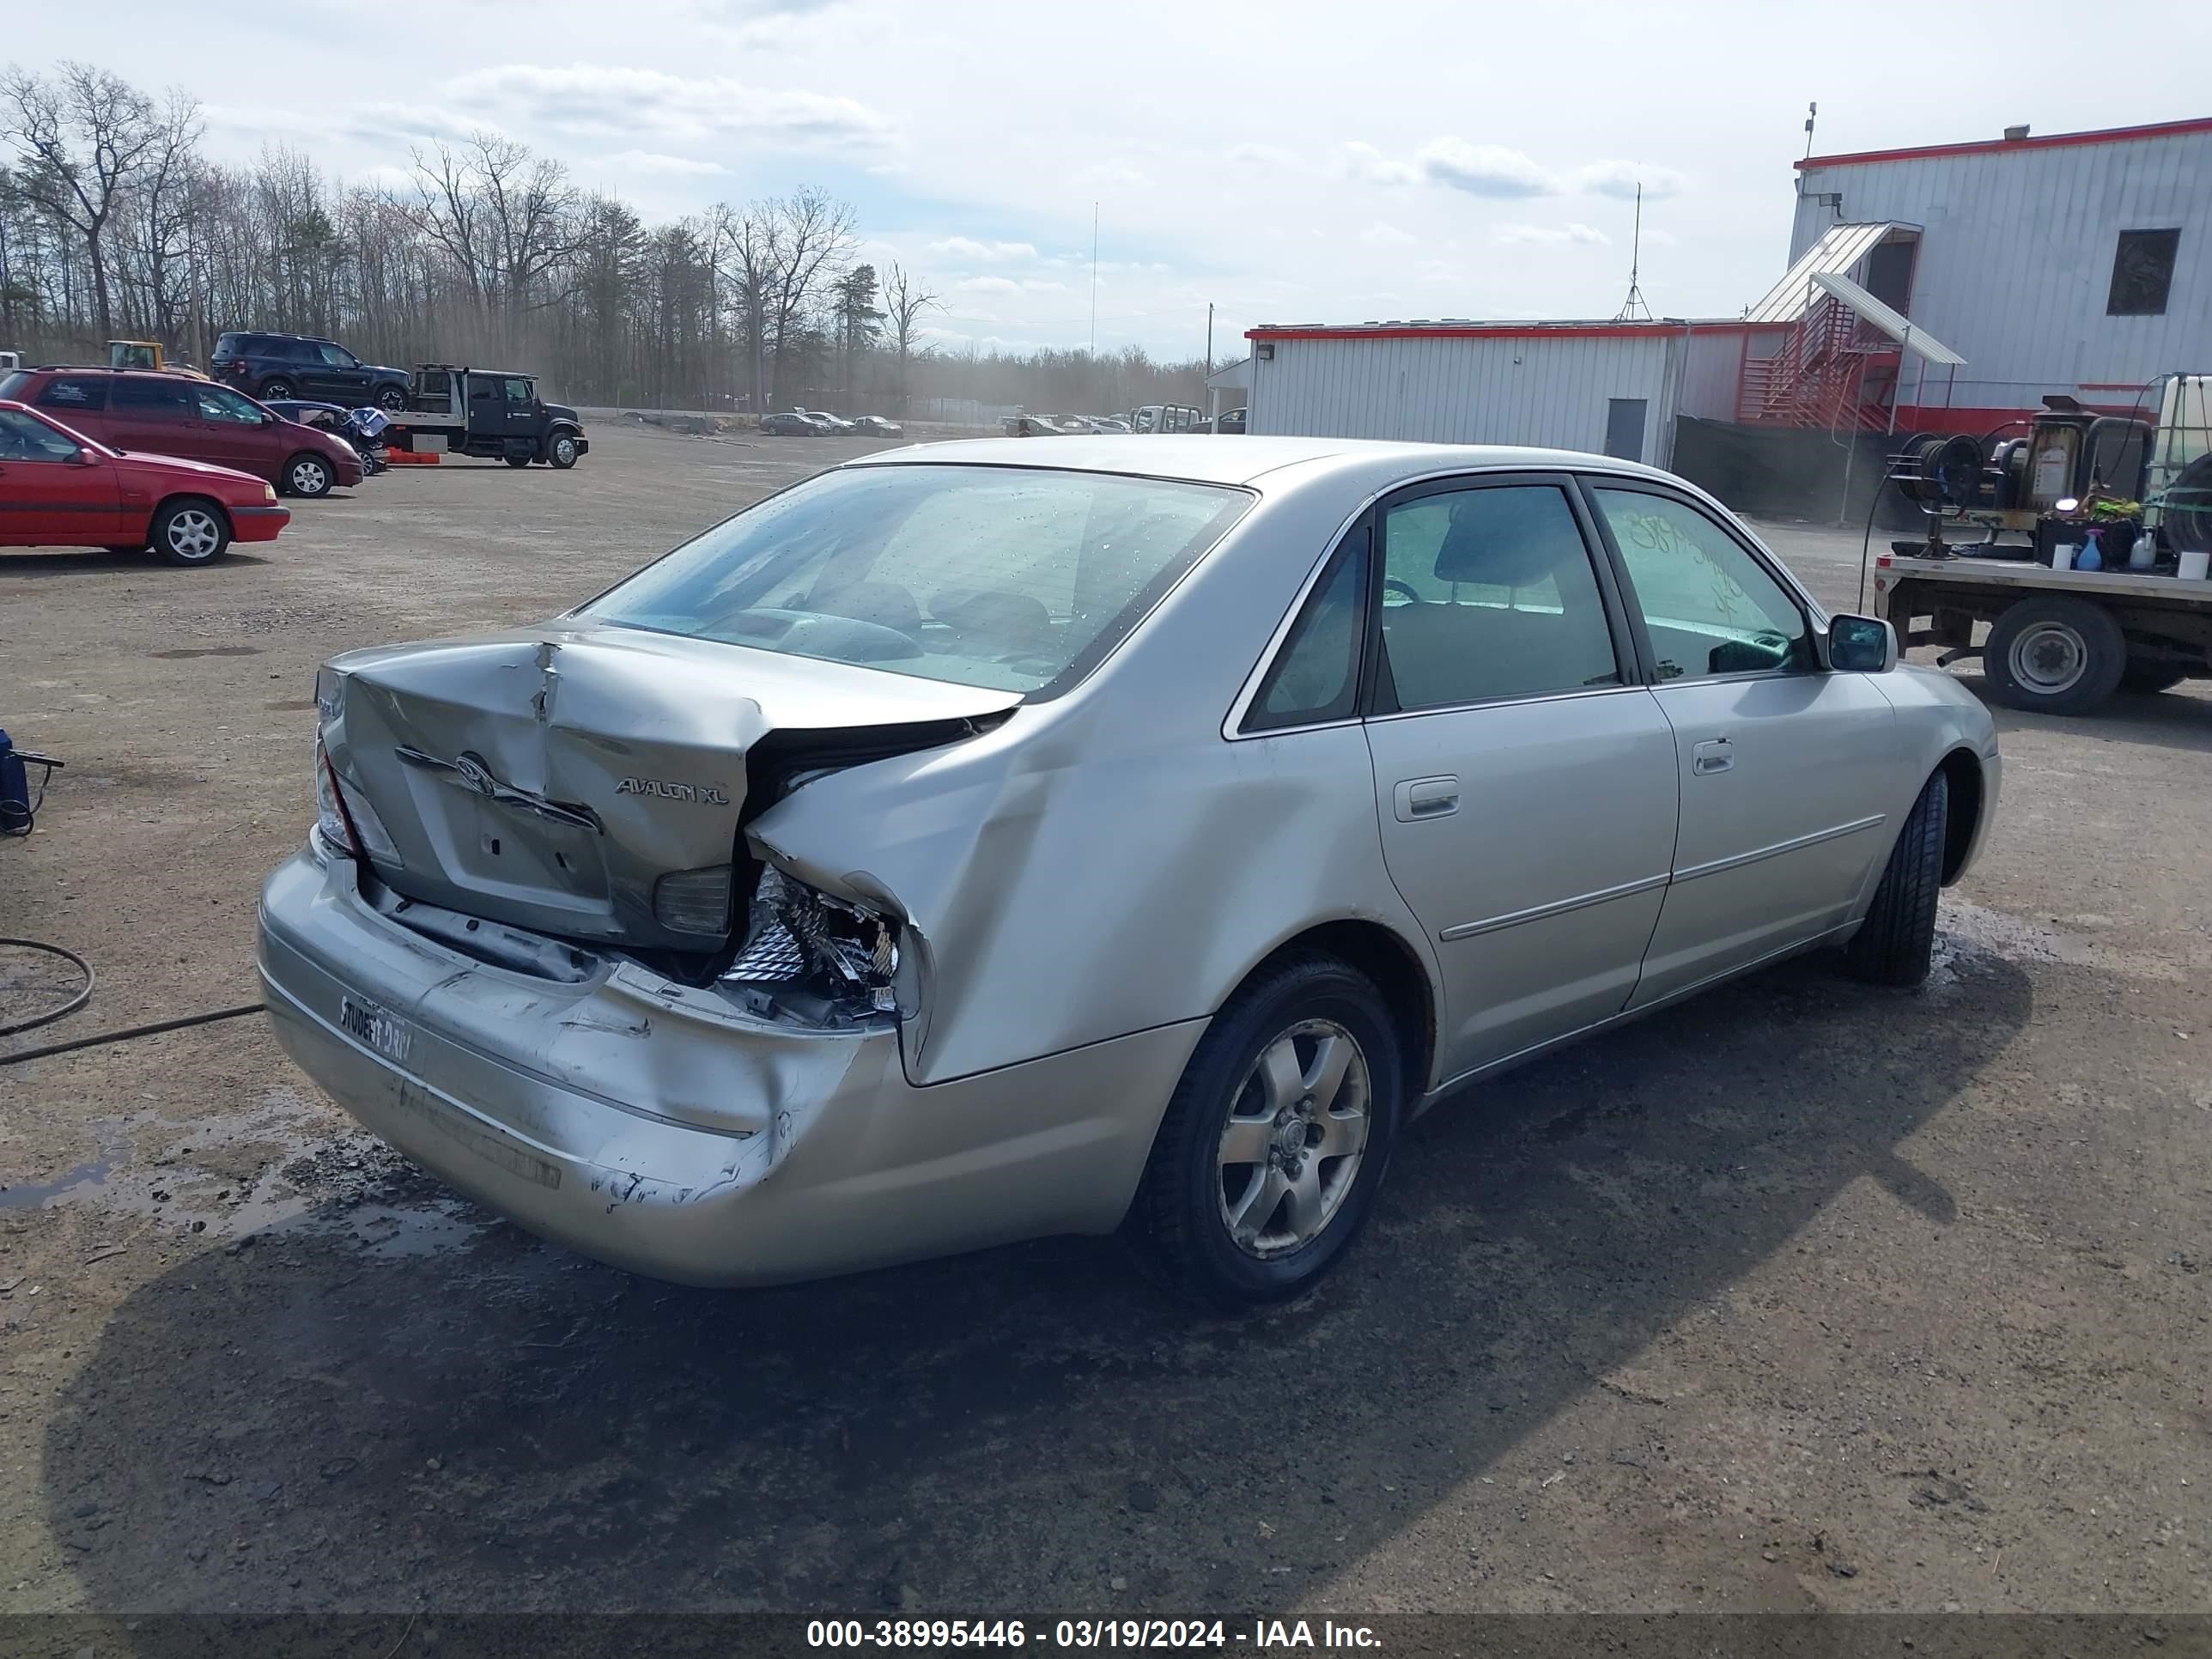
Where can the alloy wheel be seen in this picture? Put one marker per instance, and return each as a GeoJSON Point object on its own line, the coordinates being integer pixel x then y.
{"type": "Point", "coordinates": [310, 477]}
{"type": "Point", "coordinates": [1292, 1147]}
{"type": "Point", "coordinates": [194, 534]}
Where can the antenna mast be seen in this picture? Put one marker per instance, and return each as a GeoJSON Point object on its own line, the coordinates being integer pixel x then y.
{"type": "Point", "coordinates": [1633, 309]}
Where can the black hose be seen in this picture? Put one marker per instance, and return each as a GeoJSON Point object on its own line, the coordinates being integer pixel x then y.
{"type": "Point", "coordinates": [128, 1031]}
{"type": "Point", "coordinates": [83, 995]}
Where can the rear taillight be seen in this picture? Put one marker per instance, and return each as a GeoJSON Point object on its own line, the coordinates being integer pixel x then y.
{"type": "Point", "coordinates": [332, 826]}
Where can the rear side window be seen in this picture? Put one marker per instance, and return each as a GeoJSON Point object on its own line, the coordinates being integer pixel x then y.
{"type": "Point", "coordinates": [1315, 676]}
{"type": "Point", "coordinates": [163, 397]}
{"type": "Point", "coordinates": [66, 391]}
{"type": "Point", "coordinates": [1490, 593]}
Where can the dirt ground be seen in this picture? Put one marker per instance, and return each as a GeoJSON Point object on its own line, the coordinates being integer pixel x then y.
{"type": "Point", "coordinates": [1805, 1295]}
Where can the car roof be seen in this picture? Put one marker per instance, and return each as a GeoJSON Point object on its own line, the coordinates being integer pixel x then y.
{"type": "Point", "coordinates": [1205, 457]}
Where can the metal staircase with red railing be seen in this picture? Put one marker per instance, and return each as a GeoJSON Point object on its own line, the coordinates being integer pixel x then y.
{"type": "Point", "coordinates": [1830, 371]}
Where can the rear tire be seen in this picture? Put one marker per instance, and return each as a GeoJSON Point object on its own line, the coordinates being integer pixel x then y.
{"type": "Point", "coordinates": [1896, 943]}
{"type": "Point", "coordinates": [2146, 679]}
{"type": "Point", "coordinates": [390, 399]}
{"type": "Point", "coordinates": [278, 391]}
{"type": "Point", "coordinates": [309, 476]}
{"type": "Point", "coordinates": [518, 462]}
{"type": "Point", "coordinates": [191, 531]}
{"type": "Point", "coordinates": [2055, 655]}
{"type": "Point", "coordinates": [1301, 1070]}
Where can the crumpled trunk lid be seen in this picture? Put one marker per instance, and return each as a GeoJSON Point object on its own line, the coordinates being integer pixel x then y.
{"type": "Point", "coordinates": [550, 777]}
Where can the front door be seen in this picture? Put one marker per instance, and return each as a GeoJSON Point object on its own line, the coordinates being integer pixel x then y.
{"type": "Point", "coordinates": [53, 491]}
{"type": "Point", "coordinates": [338, 375]}
{"type": "Point", "coordinates": [525, 421]}
{"type": "Point", "coordinates": [1525, 783]}
{"type": "Point", "coordinates": [1783, 765]}
{"type": "Point", "coordinates": [236, 432]}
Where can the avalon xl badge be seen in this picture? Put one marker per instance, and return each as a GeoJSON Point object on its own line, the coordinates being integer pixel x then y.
{"type": "Point", "coordinates": [706, 794]}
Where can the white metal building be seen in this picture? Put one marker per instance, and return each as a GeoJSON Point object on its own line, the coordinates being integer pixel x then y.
{"type": "Point", "coordinates": [1943, 288]}
{"type": "Point", "coordinates": [1610, 387]}
{"type": "Point", "coordinates": [2079, 262]}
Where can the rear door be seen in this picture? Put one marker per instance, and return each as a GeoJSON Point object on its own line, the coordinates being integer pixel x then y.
{"type": "Point", "coordinates": [156, 414]}
{"type": "Point", "coordinates": [48, 494]}
{"type": "Point", "coordinates": [1524, 779]}
{"type": "Point", "coordinates": [1782, 766]}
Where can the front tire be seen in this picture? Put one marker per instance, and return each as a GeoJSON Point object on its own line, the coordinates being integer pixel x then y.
{"type": "Point", "coordinates": [562, 451]}
{"type": "Point", "coordinates": [191, 531]}
{"type": "Point", "coordinates": [2055, 655]}
{"type": "Point", "coordinates": [1275, 1140]}
{"type": "Point", "coordinates": [1897, 942]}
{"type": "Point", "coordinates": [308, 475]}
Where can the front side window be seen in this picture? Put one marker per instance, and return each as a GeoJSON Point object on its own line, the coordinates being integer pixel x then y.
{"type": "Point", "coordinates": [2142, 273]}
{"type": "Point", "coordinates": [518, 391]}
{"type": "Point", "coordinates": [221, 403]}
{"type": "Point", "coordinates": [1490, 593]}
{"type": "Point", "coordinates": [1710, 607]}
{"type": "Point", "coordinates": [337, 356]}
{"type": "Point", "coordinates": [68, 391]}
{"type": "Point", "coordinates": [23, 438]}
{"type": "Point", "coordinates": [1014, 578]}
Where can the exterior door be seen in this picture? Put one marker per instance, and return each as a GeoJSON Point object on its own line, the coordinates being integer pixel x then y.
{"type": "Point", "coordinates": [1524, 782]}
{"type": "Point", "coordinates": [156, 414]}
{"type": "Point", "coordinates": [1623, 428]}
{"type": "Point", "coordinates": [236, 432]}
{"type": "Point", "coordinates": [1783, 765]}
{"type": "Point", "coordinates": [49, 496]}
{"type": "Point", "coordinates": [340, 375]}
{"type": "Point", "coordinates": [518, 400]}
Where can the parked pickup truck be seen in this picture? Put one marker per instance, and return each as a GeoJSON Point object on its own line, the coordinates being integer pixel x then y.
{"type": "Point", "coordinates": [496, 414]}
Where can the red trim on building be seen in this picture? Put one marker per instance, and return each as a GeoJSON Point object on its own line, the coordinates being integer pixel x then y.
{"type": "Point", "coordinates": [1495, 330]}
{"type": "Point", "coordinates": [1995, 146]}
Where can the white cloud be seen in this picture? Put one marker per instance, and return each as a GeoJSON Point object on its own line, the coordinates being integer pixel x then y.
{"type": "Point", "coordinates": [1113, 175]}
{"type": "Point", "coordinates": [680, 167]}
{"type": "Point", "coordinates": [1621, 178]}
{"type": "Point", "coordinates": [606, 101]}
{"type": "Point", "coordinates": [1269, 155]}
{"type": "Point", "coordinates": [988, 285]}
{"type": "Point", "coordinates": [1554, 235]}
{"type": "Point", "coordinates": [1483, 169]}
{"type": "Point", "coordinates": [1033, 286]}
{"type": "Point", "coordinates": [962, 248]}
{"type": "Point", "coordinates": [1382, 235]}
{"type": "Point", "coordinates": [1371, 165]}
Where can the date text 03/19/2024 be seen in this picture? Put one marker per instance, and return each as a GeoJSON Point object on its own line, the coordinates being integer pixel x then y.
{"type": "Point", "coordinates": [1082, 1633]}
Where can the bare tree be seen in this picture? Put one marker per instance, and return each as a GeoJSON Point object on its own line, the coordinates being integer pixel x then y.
{"type": "Point", "coordinates": [80, 140]}
{"type": "Point", "coordinates": [810, 239]}
{"type": "Point", "coordinates": [906, 300]}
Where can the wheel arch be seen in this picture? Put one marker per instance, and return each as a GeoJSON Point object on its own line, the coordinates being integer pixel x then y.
{"type": "Point", "coordinates": [1962, 772]}
{"type": "Point", "coordinates": [177, 497]}
{"type": "Point", "coordinates": [1387, 958]}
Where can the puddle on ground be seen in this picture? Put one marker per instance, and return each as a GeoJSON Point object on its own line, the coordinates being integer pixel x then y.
{"type": "Point", "coordinates": [306, 1179]}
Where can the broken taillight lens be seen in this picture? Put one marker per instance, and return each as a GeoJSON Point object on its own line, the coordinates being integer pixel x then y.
{"type": "Point", "coordinates": [344, 821]}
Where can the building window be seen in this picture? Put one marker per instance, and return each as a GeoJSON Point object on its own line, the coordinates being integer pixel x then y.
{"type": "Point", "coordinates": [2142, 273]}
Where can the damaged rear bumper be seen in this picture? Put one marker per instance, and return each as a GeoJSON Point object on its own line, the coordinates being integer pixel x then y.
{"type": "Point", "coordinates": [651, 1125]}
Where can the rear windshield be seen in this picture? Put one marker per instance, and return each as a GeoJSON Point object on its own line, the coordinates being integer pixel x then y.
{"type": "Point", "coordinates": [13, 381]}
{"type": "Point", "coordinates": [1015, 578]}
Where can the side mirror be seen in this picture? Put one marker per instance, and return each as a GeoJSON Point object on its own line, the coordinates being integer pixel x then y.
{"type": "Point", "coordinates": [1861, 644]}
{"type": "Point", "coordinates": [84, 457]}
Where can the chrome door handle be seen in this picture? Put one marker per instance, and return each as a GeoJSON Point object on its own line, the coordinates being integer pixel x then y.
{"type": "Point", "coordinates": [1426, 798]}
{"type": "Point", "coordinates": [1714, 755]}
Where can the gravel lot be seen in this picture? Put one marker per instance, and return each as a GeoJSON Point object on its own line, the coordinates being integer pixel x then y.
{"type": "Point", "coordinates": [1804, 1296]}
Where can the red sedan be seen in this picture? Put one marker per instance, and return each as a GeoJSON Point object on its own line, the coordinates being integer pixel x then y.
{"type": "Point", "coordinates": [61, 489]}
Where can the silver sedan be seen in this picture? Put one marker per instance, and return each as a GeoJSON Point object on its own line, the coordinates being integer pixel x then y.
{"type": "Point", "coordinates": [984, 840]}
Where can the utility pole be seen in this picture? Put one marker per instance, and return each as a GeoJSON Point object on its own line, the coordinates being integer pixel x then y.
{"type": "Point", "coordinates": [1209, 339]}
{"type": "Point", "coordinates": [1093, 349]}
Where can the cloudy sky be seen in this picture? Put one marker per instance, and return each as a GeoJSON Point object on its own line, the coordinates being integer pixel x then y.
{"type": "Point", "coordinates": [1290, 162]}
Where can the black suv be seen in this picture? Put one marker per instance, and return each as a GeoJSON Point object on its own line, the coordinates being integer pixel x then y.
{"type": "Point", "coordinates": [267, 366]}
